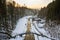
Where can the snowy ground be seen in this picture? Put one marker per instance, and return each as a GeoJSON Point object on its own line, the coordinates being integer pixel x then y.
{"type": "Point", "coordinates": [21, 28]}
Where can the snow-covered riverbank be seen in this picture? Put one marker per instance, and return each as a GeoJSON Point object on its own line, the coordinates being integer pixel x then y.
{"type": "Point", "coordinates": [21, 28]}
{"type": "Point", "coordinates": [54, 29]}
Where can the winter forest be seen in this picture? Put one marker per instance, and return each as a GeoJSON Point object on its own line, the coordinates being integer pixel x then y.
{"type": "Point", "coordinates": [23, 23]}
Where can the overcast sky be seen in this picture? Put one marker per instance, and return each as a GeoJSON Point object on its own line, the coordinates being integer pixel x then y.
{"type": "Point", "coordinates": [34, 3]}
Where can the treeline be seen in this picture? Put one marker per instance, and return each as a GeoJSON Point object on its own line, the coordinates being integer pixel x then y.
{"type": "Point", "coordinates": [9, 14]}
{"type": "Point", "coordinates": [42, 13]}
{"type": "Point", "coordinates": [52, 11]}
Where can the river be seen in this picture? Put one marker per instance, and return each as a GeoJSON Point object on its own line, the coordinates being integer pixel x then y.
{"type": "Point", "coordinates": [36, 27]}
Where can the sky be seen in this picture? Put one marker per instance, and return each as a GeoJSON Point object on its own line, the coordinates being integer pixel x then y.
{"type": "Point", "coordinates": [33, 3]}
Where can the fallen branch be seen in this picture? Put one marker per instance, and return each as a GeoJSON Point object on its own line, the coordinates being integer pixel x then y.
{"type": "Point", "coordinates": [10, 36]}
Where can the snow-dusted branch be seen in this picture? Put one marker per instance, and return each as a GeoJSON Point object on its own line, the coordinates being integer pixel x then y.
{"type": "Point", "coordinates": [7, 34]}
{"type": "Point", "coordinates": [10, 36]}
{"type": "Point", "coordinates": [35, 34]}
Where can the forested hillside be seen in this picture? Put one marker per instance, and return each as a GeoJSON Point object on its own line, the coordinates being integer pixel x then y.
{"type": "Point", "coordinates": [52, 11]}
{"type": "Point", "coordinates": [10, 12]}
{"type": "Point", "coordinates": [52, 14]}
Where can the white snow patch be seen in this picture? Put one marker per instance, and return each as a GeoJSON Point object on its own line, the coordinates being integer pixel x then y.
{"type": "Point", "coordinates": [21, 28]}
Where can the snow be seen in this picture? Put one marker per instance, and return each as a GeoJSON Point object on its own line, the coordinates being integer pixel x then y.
{"type": "Point", "coordinates": [17, 38]}
{"type": "Point", "coordinates": [21, 28]}
{"type": "Point", "coordinates": [41, 30]}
